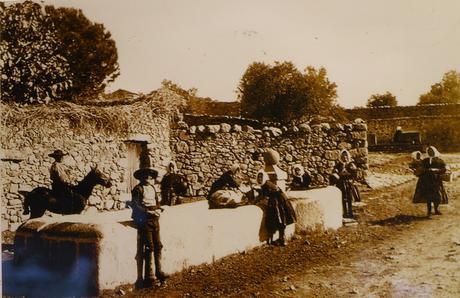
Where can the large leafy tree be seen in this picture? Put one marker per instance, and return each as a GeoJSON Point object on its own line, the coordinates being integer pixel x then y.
{"type": "Point", "coordinates": [89, 49]}
{"type": "Point", "coordinates": [32, 69]}
{"type": "Point", "coordinates": [446, 91]}
{"type": "Point", "coordinates": [282, 93]}
{"type": "Point", "coordinates": [382, 100]}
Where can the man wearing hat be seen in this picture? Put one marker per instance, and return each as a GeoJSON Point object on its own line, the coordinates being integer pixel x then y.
{"type": "Point", "coordinates": [146, 215]}
{"type": "Point", "coordinates": [60, 182]}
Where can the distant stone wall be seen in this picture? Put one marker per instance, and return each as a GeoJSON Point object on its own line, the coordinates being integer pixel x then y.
{"type": "Point", "coordinates": [403, 111]}
{"type": "Point", "coordinates": [438, 123]}
{"type": "Point", "coordinates": [440, 130]}
{"type": "Point", "coordinates": [204, 152]}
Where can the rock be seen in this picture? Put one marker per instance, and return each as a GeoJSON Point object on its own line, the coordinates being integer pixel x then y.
{"type": "Point", "coordinates": [236, 128]}
{"type": "Point", "coordinates": [192, 129]}
{"type": "Point", "coordinates": [15, 202]}
{"type": "Point", "coordinates": [248, 128]}
{"type": "Point", "coordinates": [225, 127]}
{"type": "Point", "coordinates": [331, 154]}
{"type": "Point", "coordinates": [304, 127]}
{"type": "Point", "coordinates": [325, 126]}
{"type": "Point", "coordinates": [182, 125]}
{"type": "Point", "coordinates": [14, 188]}
{"type": "Point", "coordinates": [211, 128]}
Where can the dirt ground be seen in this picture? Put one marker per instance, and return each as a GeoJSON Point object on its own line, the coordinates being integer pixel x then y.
{"type": "Point", "coordinates": [394, 250]}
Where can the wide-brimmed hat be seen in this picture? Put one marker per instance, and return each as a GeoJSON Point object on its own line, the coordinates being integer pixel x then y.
{"type": "Point", "coordinates": [57, 153]}
{"type": "Point", "coordinates": [144, 172]}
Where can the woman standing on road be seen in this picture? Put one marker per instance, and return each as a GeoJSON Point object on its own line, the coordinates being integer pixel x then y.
{"type": "Point", "coordinates": [343, 177]}
{"type": "Point", "coordinates": [430, 188]}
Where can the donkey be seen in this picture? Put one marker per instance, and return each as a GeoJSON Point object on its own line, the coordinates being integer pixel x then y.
{"type": "Point", "coordinates": [41, 199]}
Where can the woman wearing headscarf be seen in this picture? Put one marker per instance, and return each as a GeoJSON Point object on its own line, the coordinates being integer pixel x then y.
{"type": "Point", "coordinates": [279, 211]}
{"type": "Point", "coordinates": [430, 189]}
{"type": "Point", "coordinates": [300, 178]}
{"type": "Point", "coordinates": [172, 186]}
{"type": "Point", "coordinates": [343, 177]}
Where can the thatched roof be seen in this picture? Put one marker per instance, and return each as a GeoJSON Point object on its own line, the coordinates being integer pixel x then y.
{"type": "Point", "coordinates": [112, 117]}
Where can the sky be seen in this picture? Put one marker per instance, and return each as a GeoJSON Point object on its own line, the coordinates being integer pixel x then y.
{"type": "Point", "coordinates": [367, 47]}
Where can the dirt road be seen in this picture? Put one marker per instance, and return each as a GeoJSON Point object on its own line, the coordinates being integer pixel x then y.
{"type": "Point", "coordinates": [422, 260]}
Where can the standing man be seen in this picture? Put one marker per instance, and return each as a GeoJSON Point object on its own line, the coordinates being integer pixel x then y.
{"type": "Point", "coordinates": [60, 182]}
{"type": "Point", "coordinates": [146, 215]}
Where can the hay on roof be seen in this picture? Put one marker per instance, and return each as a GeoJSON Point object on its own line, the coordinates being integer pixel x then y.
{"type": "Point", "coordinates": [114, 118]}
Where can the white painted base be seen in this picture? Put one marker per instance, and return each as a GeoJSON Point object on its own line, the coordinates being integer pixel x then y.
{"type": "Point", "coordinates": [191, 233]}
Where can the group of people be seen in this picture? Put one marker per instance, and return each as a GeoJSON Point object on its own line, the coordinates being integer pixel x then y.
{"type": "Point", "coordinates": [431, 171]}
{"type": "Point", "coordinates": [224, 193]}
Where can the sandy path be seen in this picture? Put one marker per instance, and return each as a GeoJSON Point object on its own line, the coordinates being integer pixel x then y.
{"type": "Point", "coordinates": [423, 260]}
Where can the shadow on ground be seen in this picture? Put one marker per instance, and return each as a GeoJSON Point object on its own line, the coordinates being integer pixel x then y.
{"type": "Point", "coordinates": [398, 220]}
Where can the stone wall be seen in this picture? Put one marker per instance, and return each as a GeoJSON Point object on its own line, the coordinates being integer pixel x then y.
{"type": "Point", "coordinates": [25, 162]}
{"type": "Point", "coordinates": [403, 111]}
{"type": "Point", "coordinates": [204, 152]}
{"type": "Point", "coordinates": [437, 123]}
{"type": "Point", "coordinates": [441, 131]}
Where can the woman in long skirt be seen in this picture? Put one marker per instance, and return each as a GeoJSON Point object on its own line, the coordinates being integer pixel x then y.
{"type": "Point", "coordinates": [343, 177]}
{"type": "Point", "coordinates": [280, 212]}
{"type": "Point", "coordinates": [430, 188]}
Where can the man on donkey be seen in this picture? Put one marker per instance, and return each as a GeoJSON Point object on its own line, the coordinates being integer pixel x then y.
{"type": "Point", "coordinates": [61, 185]}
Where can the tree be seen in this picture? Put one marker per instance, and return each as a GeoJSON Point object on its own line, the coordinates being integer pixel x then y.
{"type": "Point", "coordinates": [282, 93]}
{"type": "Point", "coordinates": [382, 100]}
{"type": "Point", "coordinates": [89, 49]}
{"type": "Point", "coordinates": [32, 69]}
{"type": "Point", "coordinates": [446, 91]}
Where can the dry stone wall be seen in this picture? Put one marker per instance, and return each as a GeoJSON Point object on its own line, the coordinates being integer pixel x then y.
{"type": "Point", "coordinates": [25, 162]}
{"type": "Point", "coordinates": [204, 152]}
{"type": "Point", "coordinates": [441, 131]}
{"type": "Point", "coordinates": [437, 123]}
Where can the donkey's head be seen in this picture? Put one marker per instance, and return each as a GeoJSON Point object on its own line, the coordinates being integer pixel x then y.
{"type": "Point", "coordinates": [99, 178]}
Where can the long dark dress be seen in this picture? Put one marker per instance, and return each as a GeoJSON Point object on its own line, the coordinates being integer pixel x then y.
{"type": "Point", "coordinates": [172, 186]}
{"type": "Point", "coordinates": [429, 185]}
{"type": "Point", "coordinates": [345, 182]}
{"type": "Point", "coordinates": [301, 182]}
{"type": "Point", "coordinates": [280, 212]}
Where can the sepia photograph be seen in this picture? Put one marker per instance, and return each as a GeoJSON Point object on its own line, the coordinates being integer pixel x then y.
{"type": "Point", "coordinates": [212, 148]}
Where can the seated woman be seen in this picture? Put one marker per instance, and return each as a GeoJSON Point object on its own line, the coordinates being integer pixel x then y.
{"type": "Point", "coordinates": [172, 186]}
{"type": "Point", "coordinates": [225, 192]}
{"type": "Point", "coordinates": [301, 179]}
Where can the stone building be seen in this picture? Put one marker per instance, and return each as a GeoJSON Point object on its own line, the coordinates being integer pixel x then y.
{"type": "Point", "coordinates": [116, 138]}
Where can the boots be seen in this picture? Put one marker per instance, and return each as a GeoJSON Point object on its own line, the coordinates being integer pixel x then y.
{"type": "Point", "coordinates": [149, 280]}
{"type": "Point", "coordinates": [158, 272]}
{"type": "Point", "coordinates": [436, 208]}
{"type": "Point", "coordinates": [282, 238]}
{"type": "Point", "coordinates": [139, 284]}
